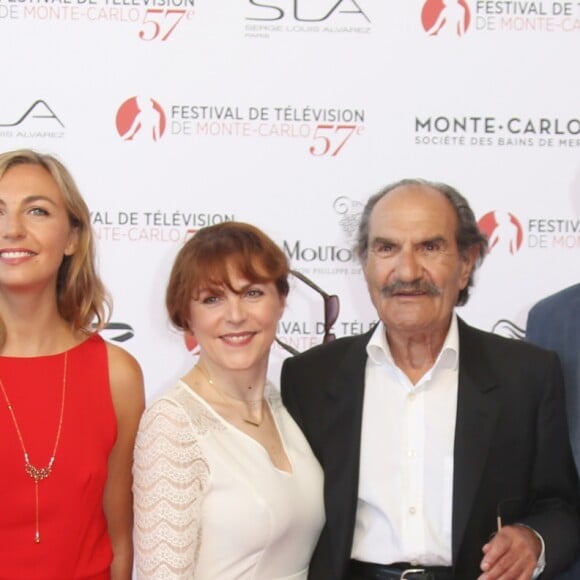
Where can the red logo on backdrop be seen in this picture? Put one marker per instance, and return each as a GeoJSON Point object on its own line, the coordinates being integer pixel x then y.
{"type": "Point", "coordinates": [141, 118]}
{"type": "Point", "coordinates": [503, 230]}
{"type": "Point", "coordinates": [446, 17]}
{"type": "Point", "coordinates": [190, 342]}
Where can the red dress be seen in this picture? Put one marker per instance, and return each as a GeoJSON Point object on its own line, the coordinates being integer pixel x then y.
{"type": "Point", "coordinates": [73, 530]}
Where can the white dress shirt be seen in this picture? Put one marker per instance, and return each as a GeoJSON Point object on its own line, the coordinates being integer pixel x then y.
{"type": "Point", "coordinates": [405, 493]}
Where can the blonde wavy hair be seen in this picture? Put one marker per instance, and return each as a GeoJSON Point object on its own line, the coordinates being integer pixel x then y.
{"type": "Point", "coordinates": [82, 299]}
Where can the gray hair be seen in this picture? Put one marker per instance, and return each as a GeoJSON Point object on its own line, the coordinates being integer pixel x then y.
{"type": "Point", "coordinates": [467, 236]}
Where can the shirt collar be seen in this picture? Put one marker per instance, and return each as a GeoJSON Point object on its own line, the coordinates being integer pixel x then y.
{"type": "Point", "coordinates": [379, 352]}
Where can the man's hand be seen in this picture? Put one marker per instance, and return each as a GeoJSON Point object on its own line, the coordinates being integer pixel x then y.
{"type": "Point", "coordinates": [512, 554]}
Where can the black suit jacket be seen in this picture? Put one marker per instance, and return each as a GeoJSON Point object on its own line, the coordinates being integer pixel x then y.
{"type": "Point", "coordinates": [511, 443]}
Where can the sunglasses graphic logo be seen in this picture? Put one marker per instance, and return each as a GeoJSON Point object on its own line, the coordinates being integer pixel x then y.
{"type": "Point", "coordinates": [117, 331]}
{"type": "Point", "coordinates": [331, 310]}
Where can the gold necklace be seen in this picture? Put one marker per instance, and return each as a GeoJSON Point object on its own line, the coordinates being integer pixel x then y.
{"type": "Point", "coordinates": [226, 396]}
{"type": "Point", "coordinates": [38, 473]}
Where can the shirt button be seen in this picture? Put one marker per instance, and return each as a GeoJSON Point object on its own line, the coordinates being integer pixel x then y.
{"type": "Point", "coordinates": [412, 454]}
{"type": "Point", "coordinates": [412, 510]}
{"type": "Point", "coordinates": [412, 397]}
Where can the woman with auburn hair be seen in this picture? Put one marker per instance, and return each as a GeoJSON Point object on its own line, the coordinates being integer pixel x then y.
{"type": "Point", "coordinates": [69, 402]}
{"type": "Point", "coordinates": [226, 486]}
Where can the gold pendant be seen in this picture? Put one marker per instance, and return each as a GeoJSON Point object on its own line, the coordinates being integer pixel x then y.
{"type": "Point", "coordinates": [36, 473]}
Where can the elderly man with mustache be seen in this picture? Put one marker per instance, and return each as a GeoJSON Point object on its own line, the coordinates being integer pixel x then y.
{"type": "Point", "coordinates": [445, 449]}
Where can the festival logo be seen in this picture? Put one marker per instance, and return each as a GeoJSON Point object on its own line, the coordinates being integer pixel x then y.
{"type": "Point", "coordinates": [37, 120]}
{"type": "Point", "coordinates": [452, 18]}
{"type": "Point", "coordinates": [141, 118]}
{"type": "Point", "coordinates": [321, 131]}
{"type": "Point", "coordinates": [328, 131]}
{"type": "Point", "coordinates": [547, 232]}
{"type": "Point", "coordinates": [152, 226]}
{"type": "Point", "coordinates": [446, 17]}
{"type": "Point", "coordinates": [148, 20]}
{"type": "Point", "coordinates": [503, 230]}
{"type": "Point", "coordinates": [506, 233]}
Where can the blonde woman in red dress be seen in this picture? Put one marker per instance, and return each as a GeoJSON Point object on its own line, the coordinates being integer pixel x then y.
{"type": "Point", "coordinates": [69, 402]}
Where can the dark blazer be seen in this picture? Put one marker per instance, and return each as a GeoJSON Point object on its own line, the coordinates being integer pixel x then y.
{"type": "Point", "coordinates": [554, 323]}
{"type": "Point", "coordinates": [511, 443]}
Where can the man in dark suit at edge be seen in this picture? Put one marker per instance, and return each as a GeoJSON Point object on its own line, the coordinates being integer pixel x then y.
{"type": "Point", "coordinates": [554, 323]}
{"type": "Point", "coordinates": [445, 449]}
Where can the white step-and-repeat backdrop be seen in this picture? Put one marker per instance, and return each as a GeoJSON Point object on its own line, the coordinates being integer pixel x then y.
{"type": "Point", "coordinates": [175, 114]}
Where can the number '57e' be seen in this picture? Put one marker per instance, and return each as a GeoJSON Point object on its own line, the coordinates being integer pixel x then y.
{"type": "Point", "coordinates": [159, 23]}
{"type": "Point", "coordinates": [330, 139]}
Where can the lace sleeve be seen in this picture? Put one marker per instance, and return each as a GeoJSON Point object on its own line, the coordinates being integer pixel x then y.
{"type": "Point", "coordinates": [170, 479]}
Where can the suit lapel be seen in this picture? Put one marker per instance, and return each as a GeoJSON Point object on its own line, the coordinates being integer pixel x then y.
{"type": "Point", "coordinates": [342, 433]}
{"type": "Point", "coordinates": [477, 412]}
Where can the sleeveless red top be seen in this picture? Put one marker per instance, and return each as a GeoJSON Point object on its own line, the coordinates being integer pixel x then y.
{"type": "Point", "coordinates": [73, 531]}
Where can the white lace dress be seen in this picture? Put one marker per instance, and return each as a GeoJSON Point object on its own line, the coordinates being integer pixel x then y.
{"type": "Point", "coordinates": [209, 503]}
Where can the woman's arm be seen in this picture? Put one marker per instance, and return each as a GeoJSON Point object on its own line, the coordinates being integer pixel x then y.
{"type": "Point", "coordinates": [170, 480]}
{"type": "Point", "coordinates": [126, 380]}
